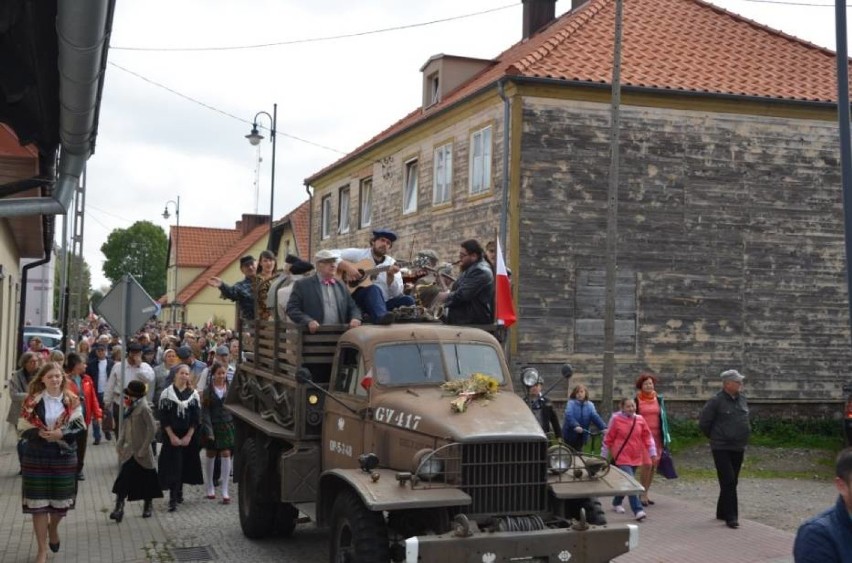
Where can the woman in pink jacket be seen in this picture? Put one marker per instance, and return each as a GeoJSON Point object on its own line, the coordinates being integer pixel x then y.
{"type": "Point", "coordinates": [629, 438]}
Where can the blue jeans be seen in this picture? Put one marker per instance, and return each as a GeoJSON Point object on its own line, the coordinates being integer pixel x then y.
{"type": "Point", "coordinates": [96, 426]}
{"type": "Point", "coordinates": [635, 504]}
{"type": "Point", "coordinates": [369, 300]}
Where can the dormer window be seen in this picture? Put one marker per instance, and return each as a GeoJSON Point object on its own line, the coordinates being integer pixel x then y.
{"type": "Point", "coordinates": [434, 88]}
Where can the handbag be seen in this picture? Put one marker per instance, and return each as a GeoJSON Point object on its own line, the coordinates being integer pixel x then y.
{"type": "Point", "coordinates": [665, 466]}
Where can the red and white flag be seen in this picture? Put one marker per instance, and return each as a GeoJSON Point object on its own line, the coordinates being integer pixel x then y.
{"type": "Point", "coordinates": [505, 308]}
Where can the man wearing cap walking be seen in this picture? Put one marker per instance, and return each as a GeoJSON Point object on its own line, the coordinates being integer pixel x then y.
{"type": "Point", "coordinates": [197, 368]}
{"type": "Point", "coordinates": [724, 419]}
{"type": "Point", "coordinates": [321, 299]}
{"type": "Point", "coordinates": [243, 291]}
{"type": "Point", "coordinates": [386, 291]}
{"type": "Point", "coordinates": [135, 370]}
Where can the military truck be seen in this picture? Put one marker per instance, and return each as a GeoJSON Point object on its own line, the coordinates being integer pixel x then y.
{"type": "Point", "coordinates": [354, 430]}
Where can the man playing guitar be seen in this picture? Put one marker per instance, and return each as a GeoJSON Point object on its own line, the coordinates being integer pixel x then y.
{"type": "Point", "coordinates": [385, 293]}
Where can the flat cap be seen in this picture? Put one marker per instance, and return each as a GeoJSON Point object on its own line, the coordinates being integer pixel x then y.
{"type": "Point", "coordinates": [222, 351]}
{"type": "Point", "coordinates": [732, 375]}
{"type": "Point", "coordinates": [247, 259]}
{"type": "Point", "coordinates": [385, 233]}
{"type": "Point", "coordinates": [325, 255]}
{"type": "Point", "coordinates": [184, 352]}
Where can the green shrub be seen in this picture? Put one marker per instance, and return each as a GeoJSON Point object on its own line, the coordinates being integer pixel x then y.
{"type": "Point", "coordinates": [770, 432]}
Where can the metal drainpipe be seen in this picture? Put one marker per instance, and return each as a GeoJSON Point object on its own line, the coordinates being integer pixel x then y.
{"type": "Point", "coordinates": [310, 218]}
{"type": "Point", "coordinates": [504, 209]}
{"type": "Point", "coordinates": [47, 225]}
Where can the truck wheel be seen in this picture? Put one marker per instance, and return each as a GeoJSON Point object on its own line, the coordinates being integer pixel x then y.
{"type": "Point", "coordinates": [359, 535]}
{"type": "Point", "coordinates": [286, 520]}
{"type": "Point", "coordinates": [595, 514]}
{"type": "Point", "coordinates": [257, 516]}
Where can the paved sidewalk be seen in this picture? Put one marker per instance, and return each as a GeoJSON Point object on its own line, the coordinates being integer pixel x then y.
{"type": "Point", "coordinates": [87, 533]}
{"type": "Point", "coordinates": [674, 532]}
{"type": "Point", "coordinates": [679, 532]}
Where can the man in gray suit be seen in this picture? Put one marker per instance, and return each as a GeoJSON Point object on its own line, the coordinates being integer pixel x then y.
{"type": "Point", "coordinates": [321, 299]}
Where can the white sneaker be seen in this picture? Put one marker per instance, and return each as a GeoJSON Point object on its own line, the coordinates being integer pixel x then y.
{"type": "Point", "coordinates": [619, 509]}
{"type": "Point", "coordinates": [639, 515]}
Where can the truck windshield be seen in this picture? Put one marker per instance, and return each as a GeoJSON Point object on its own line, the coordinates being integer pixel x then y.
{"type": "Point", "coordinates": [432, 363]}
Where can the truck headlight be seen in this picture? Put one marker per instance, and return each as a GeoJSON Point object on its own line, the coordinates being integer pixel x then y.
{"type": "Point", "coordinates": [560, 458]}
{"type": "Point", "coordinates": [427, 466]}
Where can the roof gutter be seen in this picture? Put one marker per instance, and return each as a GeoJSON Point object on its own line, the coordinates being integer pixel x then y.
{"type": "Point", "coordinates": [82, 29]}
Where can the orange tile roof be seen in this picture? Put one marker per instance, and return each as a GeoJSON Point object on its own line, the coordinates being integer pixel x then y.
{"type": "Point", "coordinates": [230, 255]}
{"type": "Point", "coordinates": [300, 223]}
{"type": "Point", "coordinates": [680, 45]}
{"type": "Point", "coordinates": [200, 246]}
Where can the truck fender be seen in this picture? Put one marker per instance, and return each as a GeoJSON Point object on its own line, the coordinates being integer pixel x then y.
{"type": "Point", "coordinates": [380, 490]}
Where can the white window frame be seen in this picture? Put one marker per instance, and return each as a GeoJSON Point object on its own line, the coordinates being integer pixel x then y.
{"type": "Point", "coordinates": [480, 160]}
{"type": "Point", "coordinates": [434, 88]}
{"type": "Point", "coordinates": [442, 177]}
{"type": "Point", "coordinates": [326, 217]}
{"type": "Point", "coordinates": [409, 187]}
{"type": "Point", "coordinates": [365, 204]}
{"type": "Point", "coordinates": [343, 205]}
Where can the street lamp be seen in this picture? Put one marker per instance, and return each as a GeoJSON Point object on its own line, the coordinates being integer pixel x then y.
{"type": "Point", "coordinates": [255, 138]}
{"type": "Point", "coordinates": [166, 216]}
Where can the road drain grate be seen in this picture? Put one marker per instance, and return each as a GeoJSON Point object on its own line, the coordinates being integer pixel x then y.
{"type": "Point", "coordinates": [199, 553]}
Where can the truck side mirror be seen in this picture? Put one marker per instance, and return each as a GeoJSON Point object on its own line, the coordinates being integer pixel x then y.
{"type": "Point", "coordinates": [303, 375]}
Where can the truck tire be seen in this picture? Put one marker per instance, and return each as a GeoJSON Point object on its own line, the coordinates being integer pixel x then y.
{"type": "Point", "coordinates": [595, 514]}
{"type": "Point", "coordinates": [286, 520]}
{"type": "Point", "coordinates": [257, 514]}
{"type": "Point", "coordinates": [359, 535]}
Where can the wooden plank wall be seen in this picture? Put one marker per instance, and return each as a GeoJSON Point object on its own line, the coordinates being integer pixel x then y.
{"type": "Point", "coordinates": [732, 226]}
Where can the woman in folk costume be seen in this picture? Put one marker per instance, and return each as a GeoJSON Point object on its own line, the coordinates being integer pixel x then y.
{"type": "Point", "coordinates": [217, 429]}
{"type": "Point", "coordinates": [180, 417]}
{"type": "Point", "coordinates": [51, 417]}
{"type": "Point", "coordinates": [137, 478]}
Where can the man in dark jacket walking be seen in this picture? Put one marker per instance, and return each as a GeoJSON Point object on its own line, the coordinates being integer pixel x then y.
{"type": "Point", "coordinates": [827, 538]}
{"type": "Point", "coordinates": [471, 299]}
{"type": "Point", "coordinates": [724, 419]}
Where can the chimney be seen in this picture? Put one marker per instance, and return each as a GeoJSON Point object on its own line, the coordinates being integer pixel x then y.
{"type": "Point", "coordinates": [537, 14]}
{"type": "Point", "coordinates": [250, 222]}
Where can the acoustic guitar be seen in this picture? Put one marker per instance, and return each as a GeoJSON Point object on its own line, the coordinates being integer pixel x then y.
{"type": "Point", "coordinates": [367, 273]}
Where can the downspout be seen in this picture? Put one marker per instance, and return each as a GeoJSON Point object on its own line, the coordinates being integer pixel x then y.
{"type": "Point", "coordinates": [47, 226]}
{"type": "Point", "coordinates": [81, 29]}
{"type": "Point", "coordinates": [504, 206]}
{"type": "Point", "coordinates": [310, 219]}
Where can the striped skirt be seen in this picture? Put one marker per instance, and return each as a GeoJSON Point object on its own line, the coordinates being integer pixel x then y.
{"type": "Point", "coordinates": [223, 435]}
{"type": "Point", "coordinates": [49, 477]}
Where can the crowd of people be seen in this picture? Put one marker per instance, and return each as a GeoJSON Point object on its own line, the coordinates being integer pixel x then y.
{"type": "Point", "coordinates": [158, 391]}
{"type": "Point", "coordinates": [371, 285]}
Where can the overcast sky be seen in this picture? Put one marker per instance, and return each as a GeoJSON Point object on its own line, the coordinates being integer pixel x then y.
{"type": "Point", "coordinates": [154, 145]}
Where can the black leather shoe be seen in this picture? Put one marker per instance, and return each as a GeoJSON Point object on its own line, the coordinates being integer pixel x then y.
{"type": "Point", "coordinates": [732, 524]}
{"type": "Point", "coordinates": [97, 442]}
{"type": "Point", "coordinates": [81, 477]}
{"type": "Point", "coordinates": [172, 505]}
{"type": "Point", "coordinates": [147, 509]}
{"type": "Point", "coordinates": [118, 512]}
{"type": "Point", "coordinates": [54, 547]}
{"type": "Point", "coordinates": [107, 435]}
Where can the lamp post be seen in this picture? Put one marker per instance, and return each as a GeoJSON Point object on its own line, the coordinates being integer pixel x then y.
{"type": "Point", "coordinates": [255, 138]}
{"type": "Point", "coordinates": [166, 216]}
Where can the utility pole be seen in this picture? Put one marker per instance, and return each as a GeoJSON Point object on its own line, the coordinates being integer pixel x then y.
{"type": "Point", "coordinates": [612, 219]}
{"type": "Point", "coordinates": [845, 141]}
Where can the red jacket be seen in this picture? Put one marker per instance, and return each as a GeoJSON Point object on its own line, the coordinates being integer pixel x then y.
{"type": "Point", "coordinates": [618, 431]}
{"type": "Point", "coordinates": [88, 397]}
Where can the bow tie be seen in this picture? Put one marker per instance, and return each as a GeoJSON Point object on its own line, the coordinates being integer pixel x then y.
{"type": "Point", "coordinates": [329, 281]}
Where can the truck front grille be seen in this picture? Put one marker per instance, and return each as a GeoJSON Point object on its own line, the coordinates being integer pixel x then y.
{"type": "Point", "coordinates": [505, 478]}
